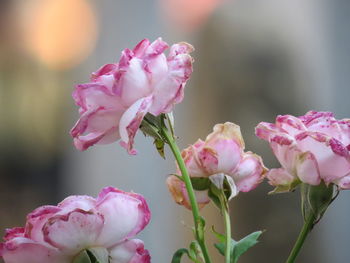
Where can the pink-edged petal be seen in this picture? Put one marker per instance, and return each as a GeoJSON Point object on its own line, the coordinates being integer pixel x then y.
{"type": "Point", "coordinates": [107, 69]}
{"type": "Point", "coordinates": [94, 95]}
{"type": "Point", "coordinates": [313, 117]}
{"type": "Point", "coordinates": [307, 169]}
{"type": "Point", "coordinates": [11, 233]}
{"type": "Point", "coordinates": [130, 122]}
{"type": "Point", "coordinates": [73, 202]}
{"type": "Point", "coordinates": [125, 215]}
{"type": "Point", "coordinates": [169, 89]}
{"type": "Point", "coordinates": [140, 49]}
{"type": "Point", "coordinates": [332, 165]}
{"type": "Point", "coordinates": [82, 143]}
{"type": "Point", "coordinates": [285, 149]}
{"type": "Point", "coordinates": [180, 48]}
{"type": "Point", "coordinates": [130, 251]}
{"type": "Point", "coordinates": [73, 231]}
{"type": "Point", "coordinates": [266, 130]}
{"type": "Point", "coordinates": [100, 127]}
{"type": "Point", "coordinates": [36, 221]}
{"type": "Point", "coordinates": [20, 250]}
{"type": "Point", "coordinates": [250, 172]}
{"type": "Point", "coordinates": [280, 177]}
{"type": "Point", "coordinates": [292, 125]}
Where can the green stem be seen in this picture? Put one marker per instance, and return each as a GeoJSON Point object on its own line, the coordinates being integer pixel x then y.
{"type": "Point", "coordinates": [186, 178]}
{"type": "Point", "coordinates": [225, 211]}
{"type": "Point", "coordinates": [301, 238]}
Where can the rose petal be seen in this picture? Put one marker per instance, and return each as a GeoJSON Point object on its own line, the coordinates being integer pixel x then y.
{"type": "Point", "coordinates": [73, 231]}
{"type": "Point", "coordinates": [250, 172]}
{"type": "Point", "coordinates": [125, 215]}
{"type": "Point", "coordinates": [332, 166]}
{"type": "Point", "coordinates": [131, 120]}
{"type": "Point", "coordinates": [20, 249]}
{"type": "Point", "coordinates": [307, 169]}
{"type": "Point", "coordinates": [130, 251]}
{"type": "Point", "coordinates": [279, 177]}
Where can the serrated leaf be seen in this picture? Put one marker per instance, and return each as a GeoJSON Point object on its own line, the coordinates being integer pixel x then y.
{"type": "Point", "coordinates": [200, 183]}
{"type": "Point", "coordinates": [238, 247]}
{"type": "Point", "coordinates": [241, 246]}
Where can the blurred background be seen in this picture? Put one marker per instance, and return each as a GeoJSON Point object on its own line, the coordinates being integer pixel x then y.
{"type": "Point", "coordinates": [254, 59]}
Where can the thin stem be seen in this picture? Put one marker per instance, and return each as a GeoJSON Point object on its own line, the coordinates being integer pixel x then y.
{"type": "Point", "coordinates": [225, 211]}
{"type": "Point", "coordinates": [186, 178]}
{"type": "Point", "coordinates": [301, 238]}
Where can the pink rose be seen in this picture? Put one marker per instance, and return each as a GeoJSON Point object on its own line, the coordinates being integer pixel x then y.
{"type": "Point", "coordinates": [311, 148]}
{"type": "Point", "coordinates": [57, 234]}
{"type": "Point", "coordinates": [221, 153]}
{"type": "Point", "coordinates": [113, 104]}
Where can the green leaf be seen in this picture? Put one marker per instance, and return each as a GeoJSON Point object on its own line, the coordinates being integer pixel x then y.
{"type": "Point", "coordinates": [237, 247]}
{"type": "Point", "coordinates": [200, 183]}
{"type": "Point", "coordinates": [178, 255]}
{"type": "Point", "coordinates": [244, 244]}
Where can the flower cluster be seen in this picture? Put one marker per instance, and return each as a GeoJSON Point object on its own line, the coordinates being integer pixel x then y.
{"type": "Point", "coordinates": [221, 152]}
{"type": "Point", "coordinates": [311, 148]}
{"type": "Point", "coordinates": [113, 104]}
{"type": "Point", "coordinates": [57, 234]}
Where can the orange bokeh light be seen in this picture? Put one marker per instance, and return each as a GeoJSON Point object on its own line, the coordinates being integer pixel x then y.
{"type": "Point", "coordinates": [60, 33]}
{"type": "Point", "coordinates": [189, 14]}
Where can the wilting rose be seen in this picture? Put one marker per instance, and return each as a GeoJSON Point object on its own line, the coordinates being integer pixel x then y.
{"type": "Point", "coordinates": [58, 234]}
{"type": "Point", "coordinates": [221, 153]}
{"type": "Point", "coordinates": [113, 104]}
{"type": "Point", "coordinates": [311, 148]}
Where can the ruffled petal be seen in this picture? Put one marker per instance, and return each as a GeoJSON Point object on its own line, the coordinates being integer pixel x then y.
{"type": "Point", "coordinates": [266, 130]}
{"type": "Point", "coordinates": [169, 89]}
{"type": "Point", "coordinates": [19, 250]}
{"type": "Point", "coordinates": [332, 164]}
{"type": "Point", "coordinates": [36, 221]}
{"type": "Point", "coordinates": [130, 122]}
{"type": "Point", "coordinates": [73, 231]}
{"type": "Point", "coordinates": [130, 251]}
{"type": "Point", "coordinates": [125, 215]}
{"type": "Point", "coordinates": [292, 125]}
